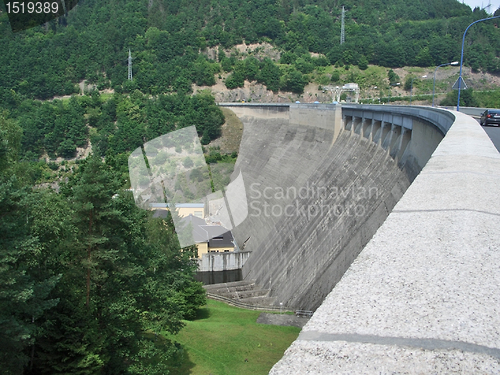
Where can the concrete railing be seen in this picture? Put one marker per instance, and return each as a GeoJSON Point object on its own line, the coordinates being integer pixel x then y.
{"type": "Point", "coordinates": [403, 115]}
{"type": "Point", "coordinates": [422, 296]}
{"type": "Point", "coordinates": [410, 134]}
{"type": "Point", "coordinates": [217, 262]}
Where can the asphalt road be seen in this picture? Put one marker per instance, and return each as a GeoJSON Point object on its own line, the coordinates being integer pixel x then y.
{"type": "Point", "coordinates": [494, 133]}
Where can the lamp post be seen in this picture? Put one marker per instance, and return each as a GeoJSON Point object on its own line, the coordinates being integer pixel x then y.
{"type": "Point", "coordinates": [462, 56]}
{"type": "Point", "coordinates": [411, 86]}
{"type": "Point", "coordinates": [454, 63]}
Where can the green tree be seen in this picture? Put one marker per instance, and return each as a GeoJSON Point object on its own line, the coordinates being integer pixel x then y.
{"type": "Point", "coordinates": [424, 58]}
{"type": "Point", "coordinates": [408, 82]}
{"type": "Point", "coordinates": [294, 81]}
{"type": "Point", "coordinates": [251, 68]}
{"type": "Point", "coordinates": [467, 98]}
{"type": "Point", "coordinates": [269, 75]}
{"type": "Point", "coordinates": [363, 63]}
{"type": "Point", "coordinates": [235, 80]}
{"type": "Point", "coordinates": [304, 66]}
{"type": "Point", "coordinates": [393, 77]}
{"type": "Point", "coordinates": [23, 298]}
{"type": "Point", "coordinates": [123, 276]}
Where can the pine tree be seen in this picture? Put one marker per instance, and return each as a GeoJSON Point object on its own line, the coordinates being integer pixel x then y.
{"type": "Point", "coordinates": [125, 280]}
{"type": "Point", "coordinates": [23, 299]}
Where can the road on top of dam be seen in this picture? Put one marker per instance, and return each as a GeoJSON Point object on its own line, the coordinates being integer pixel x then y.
{"type": "Point", "coordinates": [492, 131]}
{"type": "Point", "coordinates": [494, 134]}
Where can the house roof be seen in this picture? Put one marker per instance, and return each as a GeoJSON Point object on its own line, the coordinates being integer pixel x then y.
{"type": "Point", "coordinates": [215, 235]}
{"type": "Point", "coordinates": [199, 234]}
{"type": "Point", "coordinates": [219, 236]}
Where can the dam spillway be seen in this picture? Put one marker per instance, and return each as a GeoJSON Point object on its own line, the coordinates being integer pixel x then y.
{"type": "Point", "coordinates": [319, 184]}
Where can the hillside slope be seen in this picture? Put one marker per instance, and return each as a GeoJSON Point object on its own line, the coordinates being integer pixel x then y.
{"type": "Point", "coordinates": [171, 42]}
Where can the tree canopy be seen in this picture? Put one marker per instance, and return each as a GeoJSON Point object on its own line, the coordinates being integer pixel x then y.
{"type": "Point", "coordinates": [88, 280]}
{"type": "Point", "coordinates": [169, 42]}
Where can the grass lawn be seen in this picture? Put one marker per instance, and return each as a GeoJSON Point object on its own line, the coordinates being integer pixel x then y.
{"type": "Point", "coordinates": [223, 337]}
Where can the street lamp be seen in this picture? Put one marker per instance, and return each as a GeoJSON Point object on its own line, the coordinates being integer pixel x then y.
{"type": "Point", "coordinates": [462, 56]}
{"type": "Point", "coordinates": [411, 86]}
{"type": "Point", "coordinates": [454, 63]}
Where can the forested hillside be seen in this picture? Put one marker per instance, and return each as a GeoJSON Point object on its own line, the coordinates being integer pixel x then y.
{"type": "Point", "coordinates": [171, 43]}
{"type": "Point", "coordinates": [88, 282]}
{"type": "Point", "coordinates": [168, 38]}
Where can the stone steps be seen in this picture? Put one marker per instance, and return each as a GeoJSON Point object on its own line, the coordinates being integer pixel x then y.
{"type": "Point", "coordinates": [245, 292]}
{"type": "Point", "coordinates": [237, 285]}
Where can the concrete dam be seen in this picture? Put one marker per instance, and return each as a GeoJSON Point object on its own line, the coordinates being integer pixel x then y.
{"type": "Point", "coordinates": [320, 180]}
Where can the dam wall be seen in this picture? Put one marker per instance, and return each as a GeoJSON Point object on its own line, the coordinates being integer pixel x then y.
{"type": "Point", "coordinates": [317, 194]}
{"type": "Point", "coordinates": [214, 268]}
{"type": "Point", "coordinates": [411, 134]}
{"type": "Point", "coordinates": [322, 116]}
{"type": "Point", "coordinates": [318, 235]}
{"type": "Point", "coordinates": [422, 296]}
{"type": "Point", "coordinates": [216, 262]}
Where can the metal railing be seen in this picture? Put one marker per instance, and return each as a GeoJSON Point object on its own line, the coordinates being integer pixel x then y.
{"type": "Point", "coordinates": [243, 305]}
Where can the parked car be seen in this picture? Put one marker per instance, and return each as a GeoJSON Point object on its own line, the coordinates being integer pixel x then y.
{"type": "Point", "coordinates": [490, 117]}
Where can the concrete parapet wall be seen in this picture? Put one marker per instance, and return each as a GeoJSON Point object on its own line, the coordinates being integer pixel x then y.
{"type": "Point", "coordinates": [215, 262]}
{"type": "Point", "coordinates": [267, 111]}
{"type": "Point", "coordinates": [422, 296]}
{"type": "Point", "coordinates": [324, 116]}
{"type": "Point", "coordinates": [410, 134]}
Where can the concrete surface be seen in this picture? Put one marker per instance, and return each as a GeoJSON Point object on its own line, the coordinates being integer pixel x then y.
{"type": "Point", "coordinates": [317, 236]}
{"type": "Point", "coordinates": [422, 297]}
{"type": "Point", "coordinates": [349, 186]}
{"type": "Point", "coordinates": [212, 262]}
{"type": "Point", "coordinates": [301, 246]}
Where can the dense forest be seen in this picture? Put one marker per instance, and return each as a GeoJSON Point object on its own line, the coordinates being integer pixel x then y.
{"type": "Point", "coordinates": [168, 40]}
{"type": "Point", "coordinates": [88, 282]}
{"type": "Point", "coordinates": [120, 124]}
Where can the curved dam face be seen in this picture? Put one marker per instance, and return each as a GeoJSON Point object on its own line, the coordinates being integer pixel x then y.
{"type": "Point", "coordinates": [319, 183]}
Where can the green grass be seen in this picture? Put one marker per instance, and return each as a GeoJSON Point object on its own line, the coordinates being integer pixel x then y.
{"type": "Point", "coordinates": [223, 337]}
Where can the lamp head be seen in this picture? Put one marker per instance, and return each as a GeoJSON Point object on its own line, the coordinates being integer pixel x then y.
{"type": "Point", "coordinates": [454, 63]}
